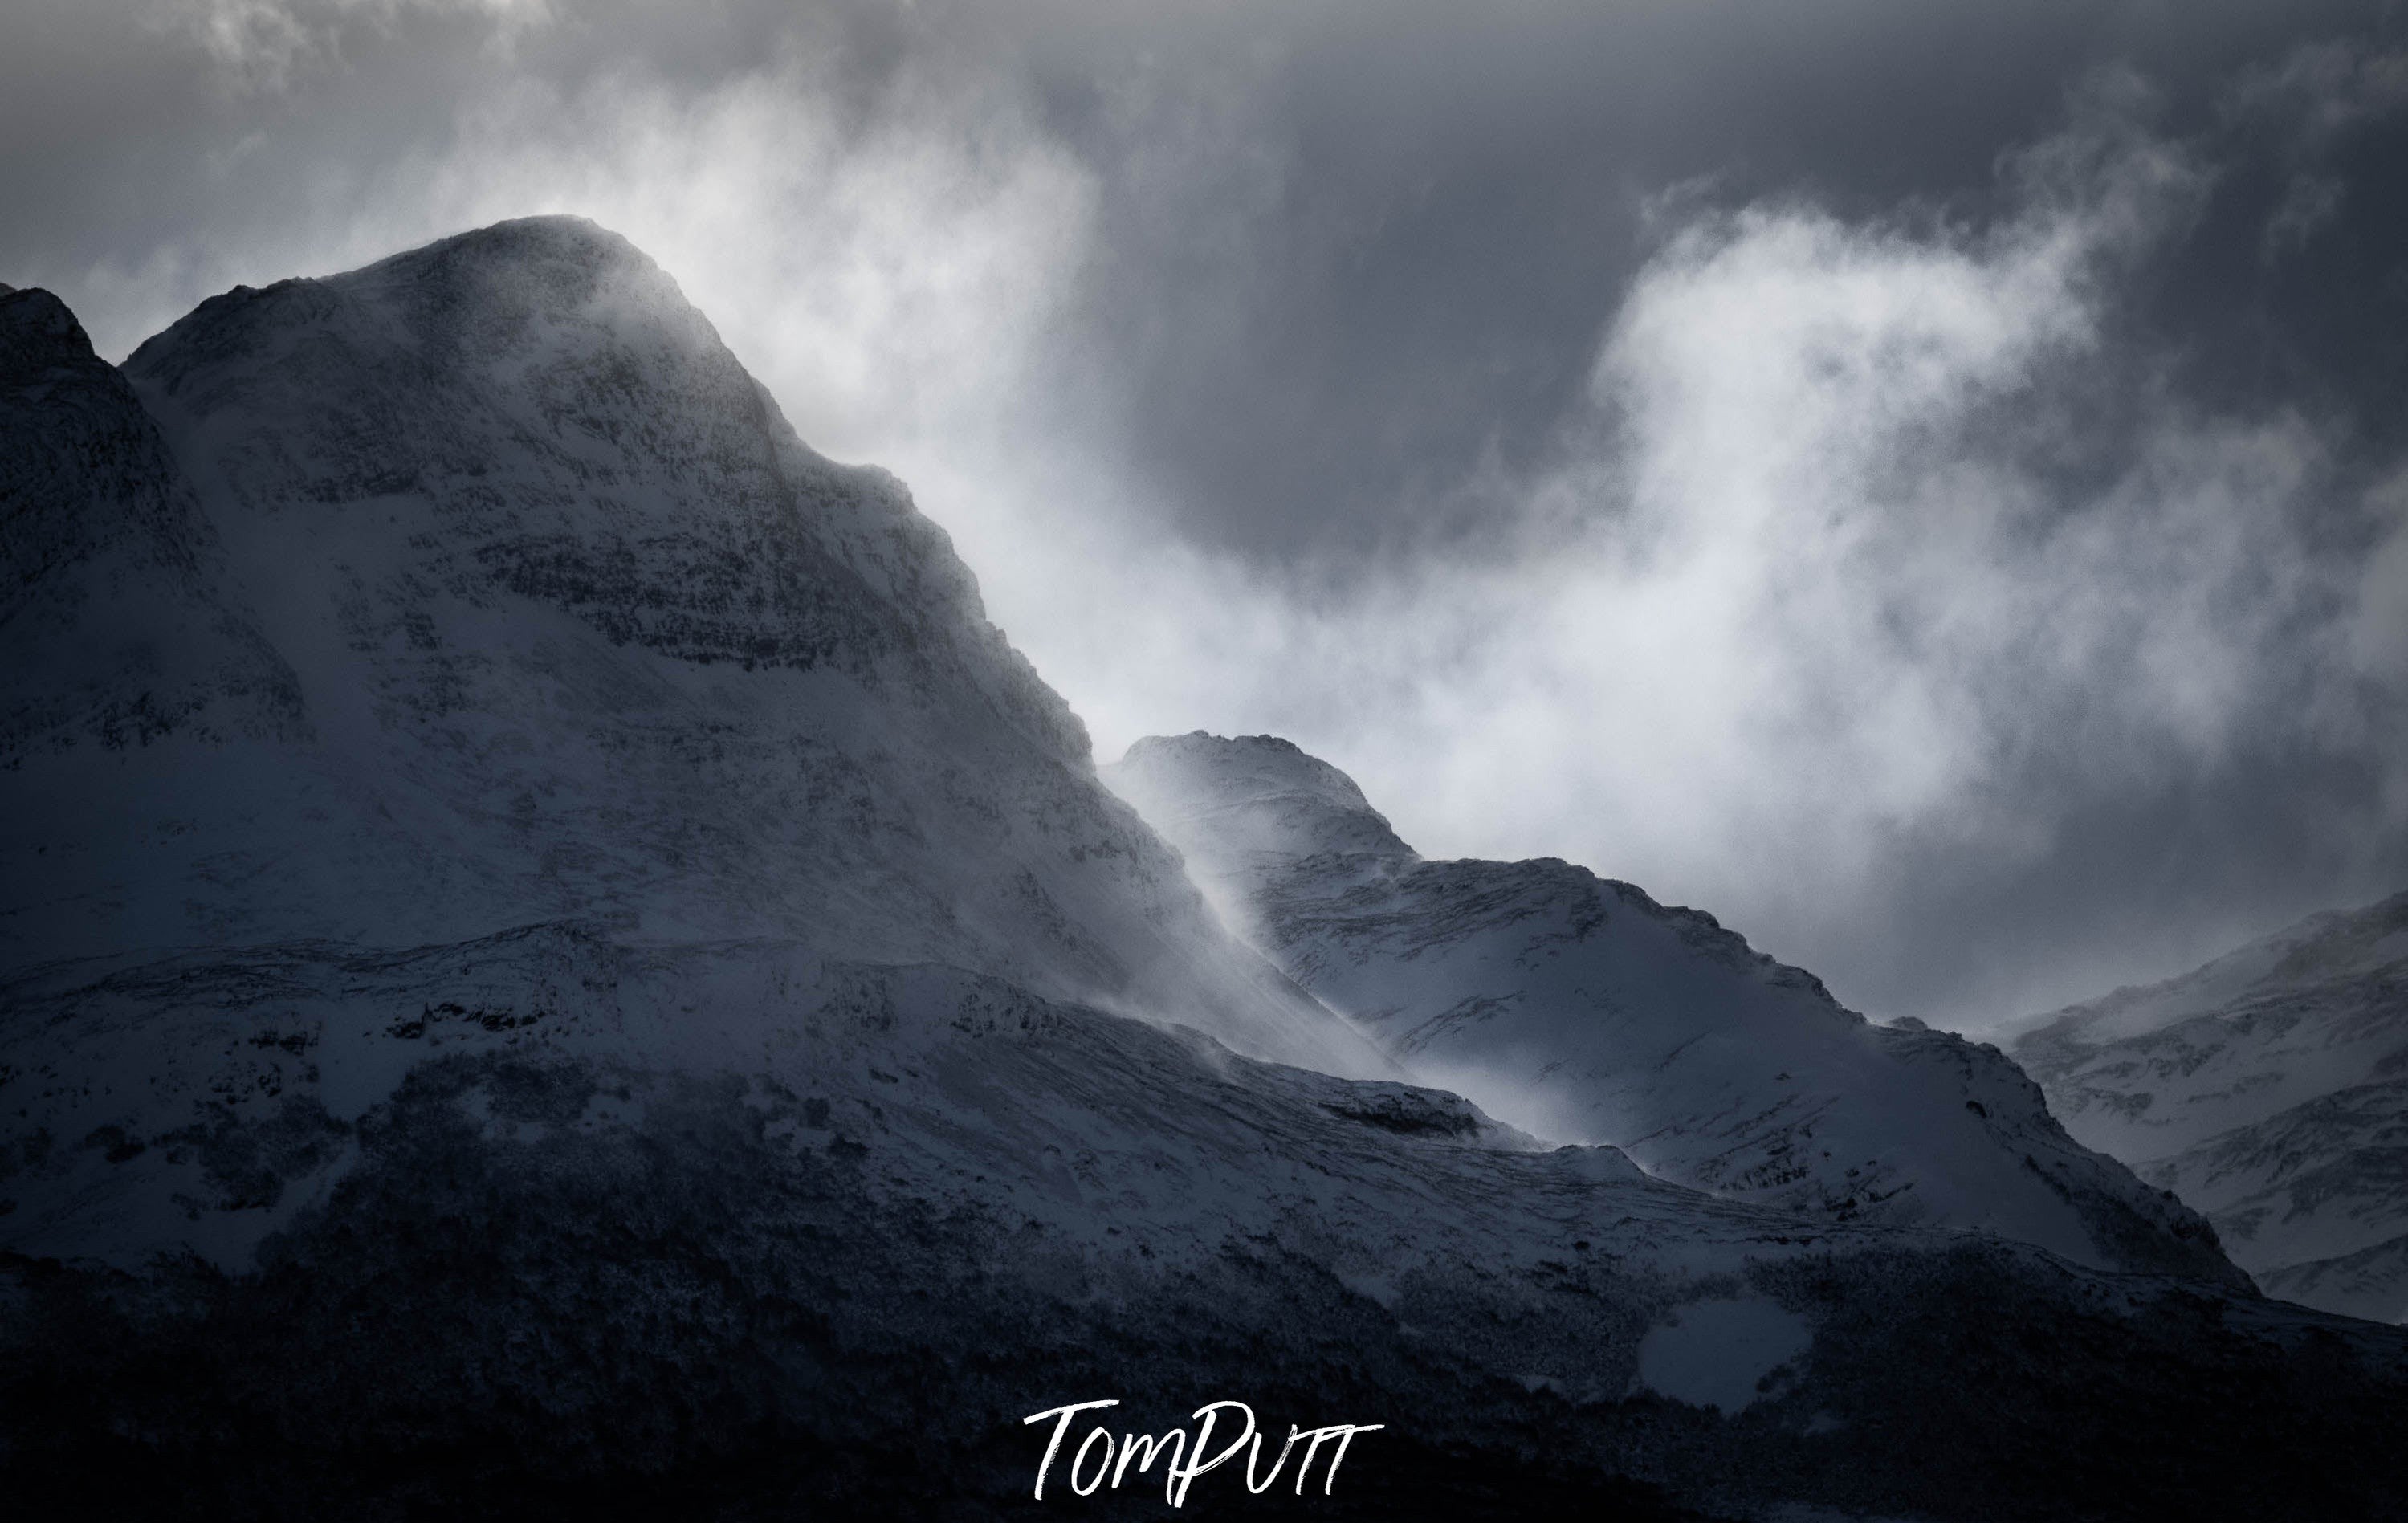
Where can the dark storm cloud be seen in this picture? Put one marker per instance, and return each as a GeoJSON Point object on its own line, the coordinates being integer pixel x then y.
{"type": "Point", "coordinates": [1381, 275]}
{"type": "Point", "coordinates": [1920, 480]}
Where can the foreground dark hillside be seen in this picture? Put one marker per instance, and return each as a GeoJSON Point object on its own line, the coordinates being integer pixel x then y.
{"type": "Point", "coordinates": [548, 1283]}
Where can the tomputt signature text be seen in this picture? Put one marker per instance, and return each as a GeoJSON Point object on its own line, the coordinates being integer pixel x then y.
{"type": "Point", "coordinates": [1089, 1468]}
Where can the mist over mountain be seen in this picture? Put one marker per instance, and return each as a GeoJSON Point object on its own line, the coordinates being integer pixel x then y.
{"type": "Point", "coordinates": [553, 959]}
{"type": "Point", "coordinates": [1948, 456]}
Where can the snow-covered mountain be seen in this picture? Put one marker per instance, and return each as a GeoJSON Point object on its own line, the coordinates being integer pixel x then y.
{"type": "Point", "coordinates": [2269, 1090]}
{"type": "Point", "coordinates": [483, 586]}
{"type": "Point", "coordinates": [552, 961]}
{"type": "Point", "coordinates": [1583, 1010]}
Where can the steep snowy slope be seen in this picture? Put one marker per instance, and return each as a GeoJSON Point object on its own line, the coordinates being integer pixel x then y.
{"type": "Point", "coordinates": [2269, 1090]}
{"type": "Point", "coordinates": [569, 624]}
{"type": "Point", "coordinates": [1584, 1011]}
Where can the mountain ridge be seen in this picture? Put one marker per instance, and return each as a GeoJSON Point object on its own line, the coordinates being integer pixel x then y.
{"type": "Point", "coordinates": [2270, 1089]}
{"type": "Point", "coordinates": [1583, 1010]}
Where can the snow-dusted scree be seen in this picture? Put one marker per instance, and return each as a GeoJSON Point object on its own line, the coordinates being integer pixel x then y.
{"type": "Point", "coordinates": [2269, 1089]}
{"type": "Point", "coordinates": [552, 960]}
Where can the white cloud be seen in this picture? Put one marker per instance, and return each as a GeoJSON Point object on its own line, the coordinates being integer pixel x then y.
{"type": "Point", "coordinates": [886, 277]}
{"type": "Point", "coordinates": [1814, 585]}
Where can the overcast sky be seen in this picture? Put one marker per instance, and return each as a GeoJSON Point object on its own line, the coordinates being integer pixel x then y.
{"type": "Point", "coordinates": [1926, 483]}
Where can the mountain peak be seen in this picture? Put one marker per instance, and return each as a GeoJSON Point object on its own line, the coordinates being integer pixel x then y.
{"type": "Point", "coordinates": [536, 407]}
{"type": "Point", "coordinates": [529, 289]}
{"type": "Point", "coordinates": [552, 264]}
{"type": "Point", "coordinates": [546, 235]}
{"type": "Point", "coordinates": [38, 332]}
{"type": "Point", "coordinates": [577, 629]}
{"type": "Point", "coordinates": [1256, 792]}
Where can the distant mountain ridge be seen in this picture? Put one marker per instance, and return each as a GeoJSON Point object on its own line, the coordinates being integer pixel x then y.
{"type": "Point", "coordinates": [1584, 1011]}
{"type": "Point", "coordinates": [2269, 1089]}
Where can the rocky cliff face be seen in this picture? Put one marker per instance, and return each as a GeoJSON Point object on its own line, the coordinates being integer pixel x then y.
{"type": "Point", "coordinates": [2269, 1090]}
{"type": "Point", "coordinates": [1583, 1010]}
{"type": "Point", "coordinates": [616, 990]}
